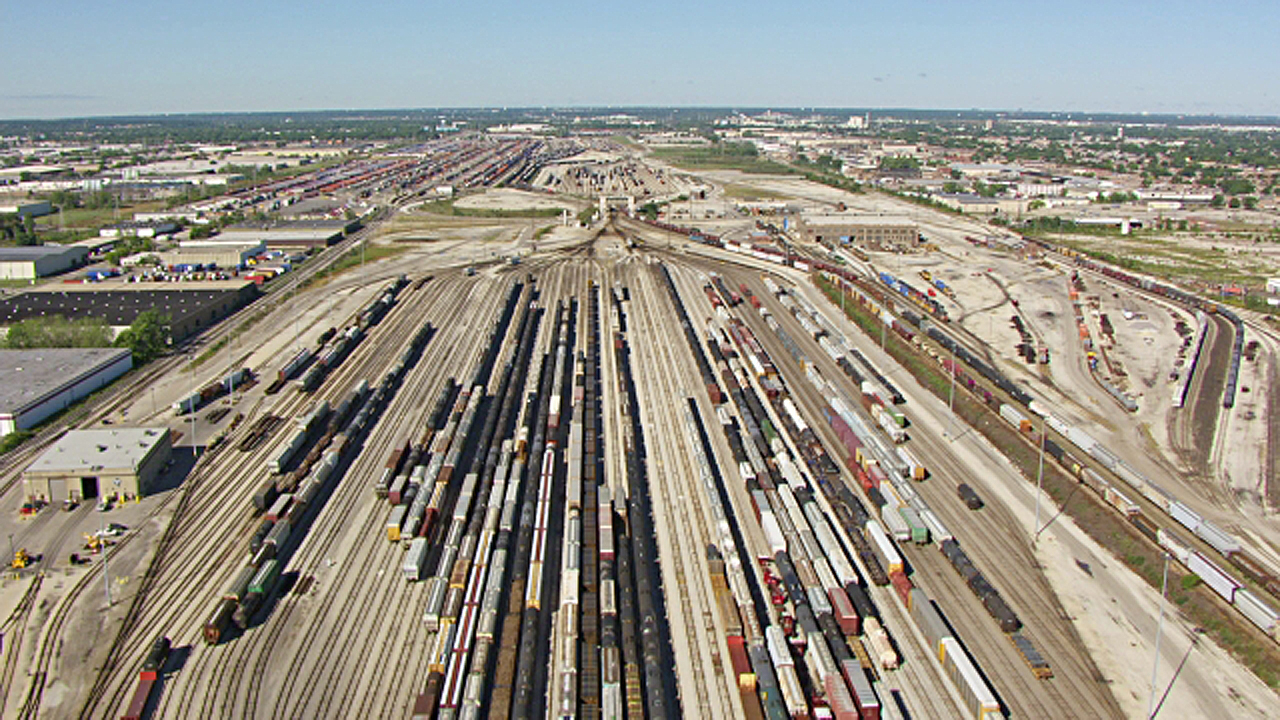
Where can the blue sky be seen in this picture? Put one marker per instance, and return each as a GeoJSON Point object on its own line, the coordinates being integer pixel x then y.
{"type": "Point", "coordinates": [112, 57]}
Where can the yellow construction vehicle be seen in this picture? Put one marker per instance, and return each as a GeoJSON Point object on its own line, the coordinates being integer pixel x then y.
{"type": "Point", "coordinates": [21, 559]}
{"type": "Point", "coordinates": [94, 543]}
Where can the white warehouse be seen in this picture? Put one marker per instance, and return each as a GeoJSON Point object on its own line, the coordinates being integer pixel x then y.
{"type": "Point", "coordinates": [36, 384]}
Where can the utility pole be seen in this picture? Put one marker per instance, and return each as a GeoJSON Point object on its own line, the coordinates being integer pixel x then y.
{"type": "Point", "coordinates": [1164, 584]}
{"type": "Point", "coordinates": [106, 574]}
{"type": "Point", "coordinates": [195, 452]}
{"type": "Point", "coordinates": [951, 400]}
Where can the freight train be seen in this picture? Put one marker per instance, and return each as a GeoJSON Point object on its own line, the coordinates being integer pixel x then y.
{"type": "Point", "coordinates": [1254, 608]}
{"type": "Point", "coordinates": [815, 574]}
{"type": "Point", "coordinates": [287, 499]}
{"type": "Point", "coordinates": [213, 391]}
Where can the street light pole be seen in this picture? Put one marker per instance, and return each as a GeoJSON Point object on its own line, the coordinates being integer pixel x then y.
{"type": "Point", "coordinates": [1164, 583]}
{"type": "Point", "coordinates": [951, 400]}
{"type": "Point", "coordinates": [106, 574]}
{"type": "Point", "coordinates": [195, 453]}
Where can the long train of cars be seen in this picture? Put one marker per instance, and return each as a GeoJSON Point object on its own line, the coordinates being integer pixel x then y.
{"type": "Point", "coordinates": [832, 617]}
{"type": "Point", "coordinates": [285, 523]}
{"type": "Point", "coordinates": [337, 345]}
{"type": "Point", "coordinates": [152, 669]}
{"type": "Point", "coordinates": [213, 391]}
{"type": "Point", "coordinates": [884, 472]}
{"type": "Point", "coordinates": [1248, 603]}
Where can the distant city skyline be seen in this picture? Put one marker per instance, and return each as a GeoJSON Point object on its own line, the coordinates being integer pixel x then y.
{"type": "Point", "coordinates": [138, 57]}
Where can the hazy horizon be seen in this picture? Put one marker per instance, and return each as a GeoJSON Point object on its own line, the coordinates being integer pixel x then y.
{"type": "Point", "coordinates": [142, 57]}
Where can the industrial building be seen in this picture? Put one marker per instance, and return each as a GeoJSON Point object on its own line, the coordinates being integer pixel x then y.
{"type": "Point", "coordinates": [136, 228]}
{"type": "Point", "coordinates": [108, 463]}
{"type": "Point", "coordinates": [222, 256]}
{"type": "Point", "coordinates": [29, 263]}
{"type": "Point", "coordinates": [189, 311]}
{"type": "Point", "coordinates": [873, 231]}
{"type": "Point", "coordinates": [293, 235]}
{"type": "Point", "coordinates": [34, 208]}
{"type": "Point", "coordinates": [36, 384]}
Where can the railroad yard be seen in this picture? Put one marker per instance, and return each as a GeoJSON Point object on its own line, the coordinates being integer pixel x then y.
{"type": "Point", "coordinates": [518, 467]}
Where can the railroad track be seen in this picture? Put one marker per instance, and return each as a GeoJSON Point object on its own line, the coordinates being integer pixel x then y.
{"type": "Point", "coordinates": [918, 680]}
{"type": "Point", "coordinates": [240, 653]}
{"type": "Point", "coordinates": [13, 630]}
{"type": "Point", "coordinates": [682, 504]}
{"type": "Point", "coordinates": [1013, 570]}
{"type": "Point", "coordinates": [339, 514]}
{"type": "Point", "coordinates": [201, 548]}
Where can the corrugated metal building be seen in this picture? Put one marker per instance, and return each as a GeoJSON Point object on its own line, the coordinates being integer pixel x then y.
{"type": "Point", "coordinates": [875, 231]}
{"type": "Point", "coordinates": [35, 384]}
{"type": "Point", "coordinates": [29, 263]}
{"type": "Point", "coordinates": [108, 463]}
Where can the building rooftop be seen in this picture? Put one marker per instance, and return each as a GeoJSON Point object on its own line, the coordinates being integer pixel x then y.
{"type": "Point", "coordinates": [859, 219]}
{"type": "Point", "coordinates": [120, 305]}
{"type": "Point", "coordinates": [27, 377]}
{"type": "Point", "coordinates": [970, 199]}
{"type": "Point", "coordinates": [35, 252]}
{"type": "Point", "coordinates": [93, 451]}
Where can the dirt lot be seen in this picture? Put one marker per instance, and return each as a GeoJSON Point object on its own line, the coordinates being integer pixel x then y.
{"type": "Point", "coordinates": [507, 199]}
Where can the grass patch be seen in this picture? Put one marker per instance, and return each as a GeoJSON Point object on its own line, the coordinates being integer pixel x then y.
{"type": "Point", "coordinates": [722, 156]}
{"type": "Point", "coordinates": [11, 441]}
{"type": "Point", "coordinates": [543, 231]}
{"type": "Point", "coordinates": [352, 259]}
{"type": "Point", "coordinates": [1108, 529]}
{"type": "Point", "coordinates": [85, 217]}
{"type": "Point", "coordinates": [450, 207]}
{"type": "Point", "coordinates": [213, 350]}
{"type": "Point", "coordinates": [209, 353]}
{"type": "Point", "coordinates": [746, 192]}
{"type": "Point", "coordinates": [1190, 267]}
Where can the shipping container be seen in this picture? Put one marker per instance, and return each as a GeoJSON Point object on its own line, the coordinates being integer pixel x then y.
{"type": "Point", "coordinates": [885, 550]}
{"type": "Point", "coordinates": [926, 617]}
{"type": "Point", "coordinates": [279, 507]}
{"type": "Point", "coordinates": [265, 579]}
{"type": "Point", "coordinates": [864, 694]}
{"type": "Point", "coordinates": [845, 614]}
{"type": "Point", "coordinates": [394, 521]}
{"type": "Point", "coordinates": [1219, 539]}
{"type": "Point", "coordinates": [1257, 611]}
{"type": "Point", "coordinates": [838, 698]}
{"type": "Point", "coordinates": [1185, 516]}
{"type": "Point", "coordinates": [979, 701]}
{"type": "Point", "coordinates": [1213, 576]}
{"type": "Point", "coordinates": [414, 558]}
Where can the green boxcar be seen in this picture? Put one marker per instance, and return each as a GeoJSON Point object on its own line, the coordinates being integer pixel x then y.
{"type": "Point", "coordinates": [766, 427]}
{"type": "Point", "coordinates": [919, 533]}
{"type": "Point", "coordinates": [897, 415]}
{"type": "Point", "coordinates": [266, 578]}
